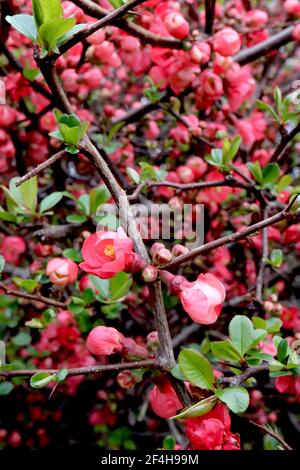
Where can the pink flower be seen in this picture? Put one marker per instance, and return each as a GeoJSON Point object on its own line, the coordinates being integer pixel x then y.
{"type": "Point", "coordinates": [62, 271]}
{"type": "Point", "coordinates": [105, 340]}
{"type": "Point", "coordinates": [164, 400]}
{"type": "Point", "coordinates": [177, 25]}
{"type": "Point", "coordinates": [256, 18]}
{"type": "Point", "coordinates": [296, 32]}
{"type": "Point", "coordinates": [292, 7]}
{"type": "Point", "coordinates": [201, 299]}
{"type": "Point", "coordinates": [226, 42]}
{"type": "Point", "coordinates": [11, 249]}
{"type": "Point", "coordinates": [212, 431]}
{"type": "Point", "coordinates": [107, 253]}
{"type": "Point", "coordinates": [211, 84]}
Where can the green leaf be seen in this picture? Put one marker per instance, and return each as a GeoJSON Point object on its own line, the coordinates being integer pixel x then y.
{"type": "Point", "coordinates": [116, 3]}
{"type": "Point", "coordinates": [73, 254]}
{"type": "Point", "coordinates": [270, 173]}
{"type": "Point", "coordinates": [98, 197]}
{"type": "Point", "coordinates": [69, 34]}
{"type": "Point", "coordinates": [265, 107]}
{"type": "Point", "coordinates": [41, 379]}
{"type": "Point", "coordinates": [31, 74]}
{"type": "Point", "coordinates": [232, 149]}
{"type": "Point", "coordinates": [169, 442]}
{"type": "Point", "coordinates": [22, 339]}
{"type": "Point", "coordinates": [53, 29]}
{"type": "Point", "coordinates": [133, 175]}
{"type": "Point", "coordinates": [2, 263]}
{"type": "Point", "coordinates": [258, 335]}
{"type": "Point", "coordinates": [225, 350]}
{"type": "Point", "coordinates": [45, 10]}
{"type": "Point", "coordinates": [6, 388]}
{"type": "Point", "coordinates": [120, 285]}
{"type": "Point", "coordinates": [196, 369]}
{"type": "Point", "coordinates": [61, 375]}
{"type": "Point", "coordinates": [76, 305]}
{"type": "Point", "coordinates": [199, 409]}
{"type": "Point", "coordinates": [241, 333]}
{"type": "Point", "coordinates": [273, 324]}
{"type": "Point", "coordinates": [29, 191]}
{"type": "Point", "coordinates": [88, 296]}
{"type": "Point", "coordinates": [102, 285]}
{"type": "Point", "coordinates": [282, 350]}
{"type": "Point", "coordinates": [49, 316]}
{"type": "Point", "coordinates": [24, 24]}
{"type": "Point", "coordinates": [236, 398]}
{"type": "Point", "coordinates": [284, 181]}
{"type": "Point", "coordinates": [50, 201]}
{"type": "Point", "coordinates": [34, 323]}
{"type": "Point", "coordinates": [259, 323]}
{"type": "Point", "coordinates": [256, 171]}
{"type": "Point", "coordinates": [276, 258]}
{"type": "Point", "coordinates": [27, 284]}
{"type": "Point", "coordinates": [176, 372]}
{"type": "Point", "coordinates": [76, 219]}
{"type": "Point", "coordinates": [278, 99]}
{"type": "Point", "coordinates": [147, 172]}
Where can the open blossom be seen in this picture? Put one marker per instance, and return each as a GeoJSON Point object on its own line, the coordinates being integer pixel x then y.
{"type": "Point", "coordinates": [226, 42]}
{"type": "Point", "coordinates": [164, 400]}
{"type": "Point", "coordinates": [212, 431]}
{"type": "Point", "coordinates": [107, 253]}
{"type": "Point", "coordinates": [105, 340]}
{"type": "Point", "coordinates": [201, 299]}
{"type": "Point", "coordinates": [62, 271]}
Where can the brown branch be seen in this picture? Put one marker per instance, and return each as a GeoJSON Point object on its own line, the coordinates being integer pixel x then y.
{"type": "Point", "coordinates": [241, 378]}
{"type": "Point", "coordinates": [108, 19]}
{"type": "Point", "coordinates": [94, 10]}
{"type": "Point", "coordinates": [166, 354]}
{"type": "Point", "coordinates": [34, 297]}
{"type": "Point", "coordinates": [148, 363]}
{"type": "Point", "coordinates": [263, 262]}
{"type": "Point", "coordinates": [209, 15]}
{"type": "Point", "coordinates": [262, 48]}
{"type": "Point", "coordinates": [285, 140]}
{"type": "Point", "coordinates": [41, 167]}
{"type": "Point", "coordinates": [234, 237]}
{"type": "Point", "coordinates": [273, 434]}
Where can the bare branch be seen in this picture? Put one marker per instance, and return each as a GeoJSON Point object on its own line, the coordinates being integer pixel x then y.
{"type": "Point", "coordinates": [41, 167]}
{"type": "Point", "coordinates": [34, 297]}
{"type": "Point", "coordinates": [273, 434]}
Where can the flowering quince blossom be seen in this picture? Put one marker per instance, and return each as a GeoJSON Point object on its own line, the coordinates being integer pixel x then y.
{"type": "Point", "coordinates": [104, 341]}
{"type": "Point", "coordinates": [107, 253]}
{"type": "Point", "coordinates": [212, 431]}
{"type": "Point", "coordinates": [164, 400]}
{"type": "Point", "coordinates": [201, 299]}
{"type": "Point", "coordinates": [62, 271]}
{"type": "Point", "coordinates": [226, 42]}
{"type": "Point", "coordinates": [11, 248]}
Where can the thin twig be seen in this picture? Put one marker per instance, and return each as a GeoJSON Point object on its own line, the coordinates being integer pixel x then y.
{"type": "Point", "coordinates": [41, 167]}
{"type": "Point", "coordinates": [209, 15]}
{"type": "Point", "coordinates": [263, 261]}
{"type": "Point", "coordinates": [148, 363]}
{"type": "Point", "coordinates": [241, 378]}
{"type": "Point", "coordinates": [285, 140]}
{"type": "Point", "coordinates": [34, 297]}
{"type": "Point", "coordinates": [273, 434]}
{"type": "Point", "coordinates": [234, 237]}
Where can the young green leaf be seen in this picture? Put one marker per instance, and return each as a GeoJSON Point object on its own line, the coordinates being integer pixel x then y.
{"type": "Point", "coordinates": [225, 350]}
{"type": "Point", "coordinates": [27, 284]}
{"type": "Point", "coordinates": [6, 388]}
{"type": "Point", "coordinates": [50, 201]}
{"type": "Point", "coordinates": [29, 191]}
{"type": "Point", "coordinates": [282, 350]}
{"type": "Point", "coordinates": [236, 398]}
{"type": "Point", "coordinates": [199, 409]}
{"type": "Point", "coordinates": [241, 333]}
{"type": "Point", "coordinates": [41, 379]}
{"type": "Point", "coordinates": [24, 24]}
{"type": "Point", "coordinates": [276, 258]}
{"type": "Point", "coordinates": [270, 173]}
{"type": "Point", "coordinates": [2, 263]}
{"type": "Point", "coordinates": [52, 30]}
{"type": "Point", "coordinates": [265, 107]}
{"type": "Point", "coordinates": [256, 171]}
{"type": "Point", "coordinates": [196, 369]}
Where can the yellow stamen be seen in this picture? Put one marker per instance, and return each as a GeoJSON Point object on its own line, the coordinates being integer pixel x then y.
{"type": "Point", "coordinates": [109, 250]}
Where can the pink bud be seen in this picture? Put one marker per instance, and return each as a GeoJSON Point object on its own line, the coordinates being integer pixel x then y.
{"type": "Point", "coordinates": [163, 256]}
{"type": "Point", "coordinates": [105, 340]}
{"type": "Point", "coordinates": [133, 351]}
{"type": "Point", "coordinates": [149, 274]}
{"type": "Point", "coordinates": [126, 379]}
{"type": "Point", "coordinates": [179, 250]}
{"type": "Point", "coordinates": [62, 271]}
{"type": "Point", "coordinates": [155, 247]}
{"type": "Point", "coordinates": [211, 84]}
{"type": "Point", "coordinates": [296, 32]}
{"type": "Point", "coordinates": [177, 25]}
{"type": "Point", "coordinates": [200, 53]}
{"type": "Point", "coordinates": [11, 248]}
{"type": "Point", "coordinates": [164, 400]}
{"type": "Point", "coordinates": [226, 42]}
{"type": "Point", "coordinates": [186, 175]}
{"type": "Point", "coordinates": [198, 165]}
{"type": "Point", "coordinates": [256, 18]}
{"type": "Point", "coordinates": [153, 341]}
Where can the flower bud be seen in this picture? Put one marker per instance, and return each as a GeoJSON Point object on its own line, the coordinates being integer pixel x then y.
{"type": "Point", "coordinates": [126, 379]}
{"type": "Point", "coordinates": [133, 351]}
{"type": "Point", "coordinates": [62, 271]}
{"type": "Point", "coordinates": [179, 250]}
{"type": "Point", "coordinates": [149, 274]}
{"type": "Point", "coordinates": [105, 340]}
{"type": "Point", "coordinates": [226, 42]}
{"type": "Point", "coordinates": [153, 341]}
{"type": "Point", "coordinates": [163, 256]}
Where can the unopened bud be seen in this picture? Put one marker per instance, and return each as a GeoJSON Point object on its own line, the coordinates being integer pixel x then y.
{"type": "Point", "coordinates": [126, 379]}
{"type": "Point", "coordinates": [133, 351]}
{"type": "Point", "coordinates": [179, 250]}
{"type": "Point", "coordinates": [163, 256]}
{"type": "Point", "coordinates": [149, 274]}
{"type": "Point", "coordinates": [153, 341]}
{"type": "Point", "coordinates": [156, 247]}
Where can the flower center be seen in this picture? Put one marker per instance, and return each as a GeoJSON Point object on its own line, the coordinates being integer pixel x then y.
{"type": "Point", "coordinates": [109, 250]}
